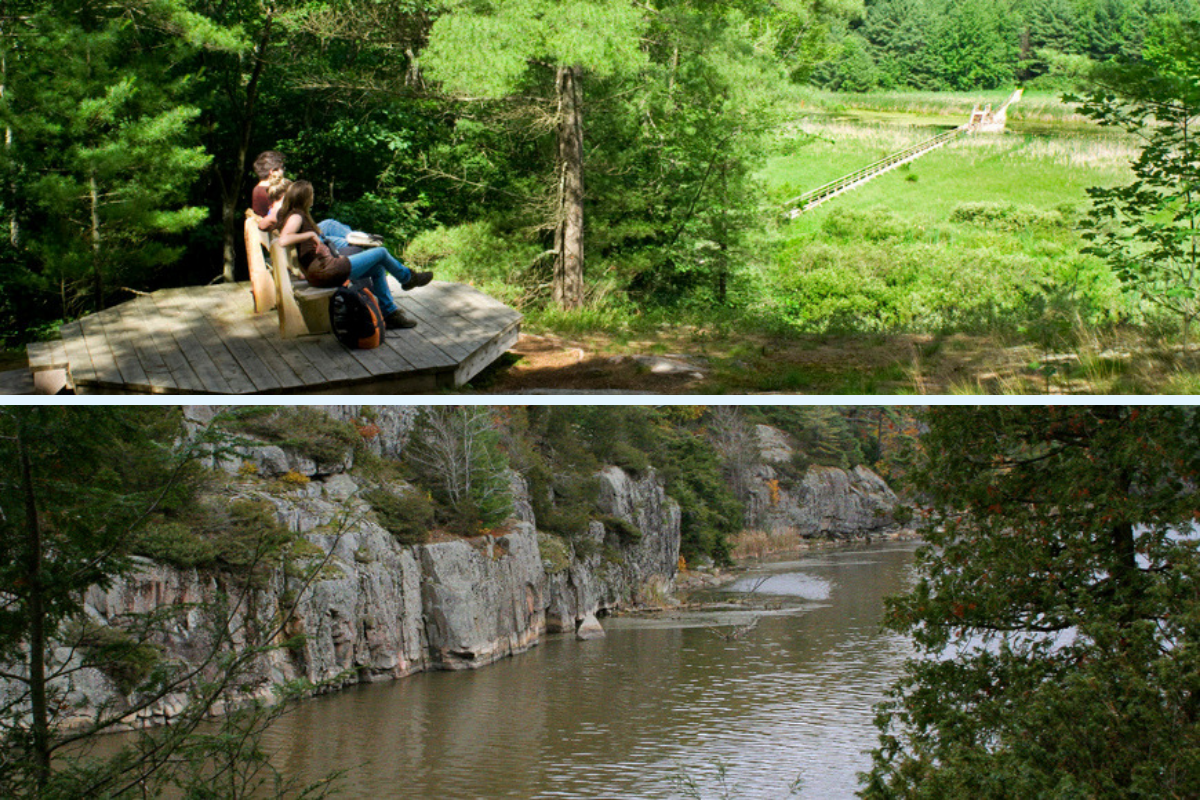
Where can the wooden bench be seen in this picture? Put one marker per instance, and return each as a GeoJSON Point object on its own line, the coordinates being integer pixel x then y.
{"type": "Point", "coordinates": [302, 308]}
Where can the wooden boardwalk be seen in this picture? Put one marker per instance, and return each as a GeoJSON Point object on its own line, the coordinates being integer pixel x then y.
{"type": "Point", "coordinates": [207, 340]}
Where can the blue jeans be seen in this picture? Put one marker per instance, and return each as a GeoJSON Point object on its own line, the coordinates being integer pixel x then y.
{"type": "Point", "coordinates": [376, 264]}
{"type": "Point", "coordinates": [335, 232]}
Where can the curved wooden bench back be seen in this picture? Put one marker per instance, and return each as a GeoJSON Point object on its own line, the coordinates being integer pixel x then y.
{"type": "Point", "coordinates": [262, 285]}
{"type": "Point", "coordinates": [291, 321]}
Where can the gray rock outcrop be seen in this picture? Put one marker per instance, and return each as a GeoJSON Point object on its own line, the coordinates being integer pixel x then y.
{"type": "Point", "coordinates": [483, 598]}
{"type": "Point", "coordinates": [825, 501]}
{"type": "Point", "coordinates": [606, 573]}
{"type": "Point", "coordinates": [358, 606]}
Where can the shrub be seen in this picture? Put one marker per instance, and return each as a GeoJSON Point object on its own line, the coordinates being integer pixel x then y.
{"type": "Point", "coordinates": [240, 534]}
{"type": "Point", "coordinates": [1006, 216]}
{"type": "Point", "coordinates": [127, 660]}
{"type": "Point", "coordinates": [627, 532]}
{"type": "Point", "coordinates": [873, 225]}
{"type": "Point", "coordinates": [407, 515]}
{"type": "Point", "coordinates": [307, 431]}
{"type": "Point", "coordinates": [556, 556]}
{"type": "Point", "coordinates": [482, 253]}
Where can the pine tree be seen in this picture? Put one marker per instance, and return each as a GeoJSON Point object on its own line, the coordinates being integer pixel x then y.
{"type": "Point", "coordinates": [1055, 615]}
{"type": "Point", "coordinates": [501, 47]}
{"type": "Point", "coordinates": [102, 155]}
{"type": "Point", "coordinates": [77, 483]}
{"type": "Point", "coordinates": [975, 43]}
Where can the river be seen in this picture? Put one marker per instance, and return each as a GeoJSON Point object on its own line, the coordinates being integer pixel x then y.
{"type": "Point", "coordinates": [670, 706]}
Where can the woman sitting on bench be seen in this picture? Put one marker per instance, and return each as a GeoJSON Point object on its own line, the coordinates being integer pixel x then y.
{"type": "Point", "coordinates": [322, 269]}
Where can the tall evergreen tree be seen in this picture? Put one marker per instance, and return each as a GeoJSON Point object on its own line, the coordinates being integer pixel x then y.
{"type": "Point", "coordinates": [900, 31]}
{"type": "Point", "coordinates": [102, 153]}
{"type": "Point", "coordinates": [502, 47]}
{"type": "Point", "coordinates": [1055, 614]}
{"type": "Point", "coordinates": [77, 483]}
{"type": "Point", "coordinates": [975, 43]}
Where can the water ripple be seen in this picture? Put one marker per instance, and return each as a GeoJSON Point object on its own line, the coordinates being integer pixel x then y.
{"type": "Point", "coordinates": [654, 707]}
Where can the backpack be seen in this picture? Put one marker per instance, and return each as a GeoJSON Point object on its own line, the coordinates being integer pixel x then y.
{"type": "Point", "coordinates": [355, 316]}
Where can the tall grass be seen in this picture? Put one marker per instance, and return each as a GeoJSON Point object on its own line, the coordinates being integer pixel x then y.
{"type": "Point", "coordinates": [1037, 106]}
{"type": "Point", "coordinates": [977, 235]}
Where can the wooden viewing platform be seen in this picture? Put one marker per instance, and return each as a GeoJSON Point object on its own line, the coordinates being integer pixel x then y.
{"type": "Point", "coordinates": [207, 340]}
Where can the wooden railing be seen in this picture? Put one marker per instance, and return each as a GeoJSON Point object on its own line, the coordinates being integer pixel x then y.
{"type": "Point", "coordinates": [811, 199]}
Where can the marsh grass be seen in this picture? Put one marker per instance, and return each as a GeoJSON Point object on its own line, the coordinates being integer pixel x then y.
{"type": "Point", "coordinates": [979, 235]}
{"type": "Point", "coordinates": [1038, 106]}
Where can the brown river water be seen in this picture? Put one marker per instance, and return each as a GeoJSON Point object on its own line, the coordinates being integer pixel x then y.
{"type": "Point", "coordinates": [670, 706]}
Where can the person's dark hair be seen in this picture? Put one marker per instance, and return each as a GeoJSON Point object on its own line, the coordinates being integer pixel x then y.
{"type": "Point", "coordinates": [267, 161]}
{"type": "Point", "coordinates": [298, 199]}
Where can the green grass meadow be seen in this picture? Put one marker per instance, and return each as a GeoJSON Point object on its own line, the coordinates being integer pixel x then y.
{"type": "Point", "coordinates": [979, 235]}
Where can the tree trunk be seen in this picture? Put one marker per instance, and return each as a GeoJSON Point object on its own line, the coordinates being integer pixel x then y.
{"type": "Point", "coordinates": [40, 721]}
{"type": "Point", "coordinates": [14, 231]}
{"type": "Point", "coordinates": [97, 269]}
{"type": "Point", "coordinates": [231, 194]}
{"type": "Point", "coordinates": [567, 288]}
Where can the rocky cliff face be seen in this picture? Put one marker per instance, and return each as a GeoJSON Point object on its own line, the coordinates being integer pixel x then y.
{"type": "Point", "coordinates": [603, 572]}
{"type": "Point", "coordinates": [824, 501]}
{"type": "Point", "coordinates": [379, 610]}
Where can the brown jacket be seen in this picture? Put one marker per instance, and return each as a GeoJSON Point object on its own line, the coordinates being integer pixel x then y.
{"type": "Point", "coordinates": [319, 268]}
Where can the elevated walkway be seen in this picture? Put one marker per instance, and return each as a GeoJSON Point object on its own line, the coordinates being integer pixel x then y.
{"type": "Point", "coordinates": [983, 120]}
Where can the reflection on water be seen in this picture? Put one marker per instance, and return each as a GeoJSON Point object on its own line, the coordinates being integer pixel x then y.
{"type": "Point", "coordinates": [656, 702]}
{"type": "Point", "coordinates": [785, 584]}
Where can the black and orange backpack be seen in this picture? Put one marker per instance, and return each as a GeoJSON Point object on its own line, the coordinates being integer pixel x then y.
{"type": "Point", "coordinates": [355, 316]}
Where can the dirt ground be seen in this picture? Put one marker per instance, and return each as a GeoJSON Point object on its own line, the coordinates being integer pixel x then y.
{"type": "Point", "coordinates": [690, 363]}
{"type": "Point", "coordinates": [548, 364]}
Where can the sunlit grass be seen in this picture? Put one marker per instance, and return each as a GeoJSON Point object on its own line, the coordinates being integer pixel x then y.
{"type": "Point", "coordinates": [1040, 106]}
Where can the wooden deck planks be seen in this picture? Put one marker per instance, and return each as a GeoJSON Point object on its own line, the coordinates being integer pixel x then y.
{"type": "Point", "coordinates": [338, 361]}
{"type": "Point", "coordinates": [412, 345]}
{"type": "Point", "coordinates": [182, 377]}
{"type": "Point", "coordinates": [256, 333]}
{"type": "Point", "coordinates": [208, 340]}
{"type": "Point", "coordinates": [107, 373]}
{"type": "Point", "coordinates": [499, 344]}
{"type": "Point", "coordinates": [122, 348]}
{"type": "Point", "coordinates": [237, 335]}
{"type": "Point", "coordinates": [79, 361]}
{"type": "Point", "coordinates": [47, 355]}
{"type": "Point", "coordinates": [144, 348]}
{"type": "Point", "coordinates": [177, 319]}
{"type": "Point", "coordinates": [209, 337]}
{"type": "Point", "coordinates": [463, 323]}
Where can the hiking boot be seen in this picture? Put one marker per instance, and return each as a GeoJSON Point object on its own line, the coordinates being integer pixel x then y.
{"type": "Point", "coordinates": [397, 320]}
{"type": "Point", "coordinates": [417, 279]}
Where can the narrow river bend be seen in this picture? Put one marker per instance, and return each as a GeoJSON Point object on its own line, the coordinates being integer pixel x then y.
{"type": "Point", "coordinates": [671, 706]}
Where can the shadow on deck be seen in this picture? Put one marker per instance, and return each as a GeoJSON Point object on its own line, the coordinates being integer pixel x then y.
{"type": "Point", "coordinates": [206, 340]}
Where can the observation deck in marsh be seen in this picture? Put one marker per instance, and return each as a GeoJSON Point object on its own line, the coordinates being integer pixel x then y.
{"type": "Point", "coordinates": [207, 340]}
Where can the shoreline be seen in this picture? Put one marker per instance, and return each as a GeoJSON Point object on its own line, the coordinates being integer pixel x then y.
{"type": "Point", "coordinates": [783, 544]}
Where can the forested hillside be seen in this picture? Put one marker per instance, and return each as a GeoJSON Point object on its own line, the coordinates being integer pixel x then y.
{"type": "Point", "coordinates": [983, 44]}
